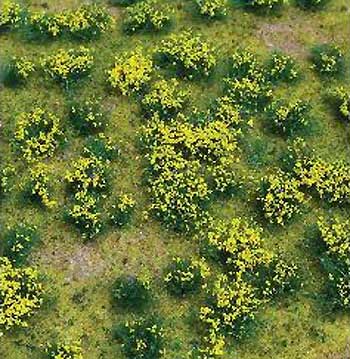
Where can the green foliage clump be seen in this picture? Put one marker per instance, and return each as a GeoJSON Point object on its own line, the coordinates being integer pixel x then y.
{"type": "Point", "coordinates": [39, 186]}
{"type": "Point", "coordinates": [264, 4]}
{"type": "Point", "coordinates": [18, 242]}
{"type": "Point", "coordinates": [10, 14]}
{"type": "Point", "coordinates": [179, 156]}
{"type": "Point", "coordinates": [130, 292]}
{"type": "Point", "coordinates": [312, 4]}
{"type": "Point", "coordinates": [64, 351]}
{"type": "Point", "coordinates": [87, 116]}
{"type": "Point", "coordinates": [289, 118]}
{"type": "Point", "coordinates": [17, 71]}
{"type": "Point", "coordinates": [340, 98]}
{"type": "Point", "coordinates": [280, 198]}
{"type": "Point", "coordinates": [150, 15]}
{"type": "Point", "coordinates": [281, 67]}
{"type": "Point", "coordinates": [131, 72]}
{"type": "Point", "coordinates": [328, 60]}
{"type": "Point", "coordinates": [244, 64]}
{"type": "Point", "coordinates": [165, 98]}
{"type": "Point", "coordinates": [250, 95]}
{"type": "Point", "coordinates": [88, 21]}
{"type": "Point", "coordinates": [142, 338]}
{"type": "Point", "coordinates": [330, 180]}
{"type": "Point", "coordinates": [212, 8]}
{"type": "Point", "coordinates": [87, 181]}
{"type": "Point", "coordinates": [67, 66]}
{"type": "Point", "coordinates": [182, 277]}
{"type": "Point", "coordinates": [100, 147]}
{"type": "Point", "coordinates": [85, 22]}
{"type": "Point", "coordinates": [122, 211]}
{"type": "Point", "coordinates": [252, 277]}
{"type": "Point", "coordinates": [20, 293]}
{"type": "Point", "coordinates": [123, 2]}
{"type": "Point", "coordinates": [37, 135]}
{"type": "Point", "coordinates": [227, 111]}
{"type": "Point", "coordinates": [336, 259]}
{"type": "Point", "coordinates": [189, 54]}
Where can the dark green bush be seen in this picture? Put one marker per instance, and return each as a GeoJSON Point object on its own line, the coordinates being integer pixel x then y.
{"type": "Point", "coordinates": [18, 243]}
{"type": "Point", "coordinates": [312, 4]}
{"type": "Point", "coordinates": [87, 116]}
{"type": "Point", "coordinates": [328, 60]}
{"type": "Point", "coordinates": [122, 210]}
{"type": "Point", "coordinates": [123, 2]}
{"type": "Point", "coordinates": [16, 71]}
{"type": "Point", "coordinates": [101, 147]}
{"type": "Point", "coordinates": [130, 292]}
{"type": "Point", "coordinates": [141, 339]}
{"type": "Point", "coordinates": [182, 277]}
{"type": "Point", "coordinates": [281, 67]}
{"type": "Point", "coordinates": [289, 118]}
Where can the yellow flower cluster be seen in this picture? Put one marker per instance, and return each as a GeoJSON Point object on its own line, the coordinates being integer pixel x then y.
{"type": "Point", "coordinates": [330, 180]}
{"type": "Point", "coordinates": [182, 276]}
{"type": "Point", "coordinates": [227, 111]}
{"type": "Point", "coordinates": [282, 67]}
{"type": "Point", "coordinates": [327, 59]}
{"type": "Point", "coordinates": [131, 72]}
{"type": "Point", "coordinates": [65, 351]}
{"type": "Point", "coordinates": [122, 211]}
{"type": "Point", "coordinates": [244, 64]}
{"type": "Point", "coordinates": [10, 13]}
{"type": "Point", "coordinates": [341, 99]}
{"type": "Point", "coordinates": [39, 185]}
{"type": "Point", "coordinates": [252, 277]}
{"type": "Point", "coordinates": [264, 4]}
{"type": "Point", "coordinates": [20, 293]}
{"type": "Point", "coordinates": [66, 66]}
{"type": "Point", "coordinates": [37, 134]}
{"type": "Point", "coordinates": [85, 22]}
{"type": "Point", "coordinates": [336, 235]}
{"type": "Point", "coordinates": [289, 118]}
{"type": "Point", "coordinates": [87, 181]}
{"type": "Point", "coordinates": [249, 94]}
{"type": "Point", "coordinates": [164, 98]}
{"type": "Point", "coordinates": [212, 8]}
{"type": "Point", "coordinates": [147, 15]}
{"type": "Point", "coordinates": [281, 198]}
{"type": "Point", "coordinates": [22, 68]}
{"type": "Point", "coordinates": [189, 53]}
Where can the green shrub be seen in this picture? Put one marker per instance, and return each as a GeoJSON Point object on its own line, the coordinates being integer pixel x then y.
{"type": "Point", "coordinates": [123, 2]}
{"type": "Point", "coordinates": [122, 211]}
{"type": "Point", "coordinates": [281, 67]}
{"type": "Point", "coordinates": [18, 242]}
{"type": "Point", "coordinates": [165, 98]}
{"type": "Point", "coordinates": [20, 293]}
{"type": "Point", "coordinates": [212, 8]}
{"type": "Point", "coordinates": [289, 118]}
{"type": "Point", "coordinates": [101, 148]}
{"type": "Point", "coordinates": [189, 54]}
{"type": "Point", "coordinates": [65, 351]}
{"type": "Point", "coordinates": [37, 135]}
{"type": "Point", "coordinates": [68, 66]}
{"type": "Point", "coordinates": [244, 64]}
{"type": "Point", "coordinates": [227, 111]}
{"type": "Point", "coordinates": [130, 292]}
{"type": "Point", "coordinates": [340, 99]}
{"type": "Point", "coordinates": [150, 15]}
{"type": "Point", "coordinates": [327, 60]}
{"type": "Point", "coordinates": [131, 72]}
{"type": "Point", "coordinates": [182, 277]}
{"type": "Point", "coordinates": [280, 198]}
{"type": "Point", "coordinates": [312, 4]}
{"type": "Point", "coordinates": [39, 186]}
{"type": "Point", "coordinates": [264, 5]}
{"type": "Point", "coordinates": [10, 14]}
{"type": "Point", "coordinates": [46, 25]}
{"type": "Point", "coordinates": [87, 116]}
{"type": "Point", "coordinates": [250, 96]}
{"type": "Point", "coordinates": [142, 339]}
{"type": "Point", "coordinates": [17, 71]}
